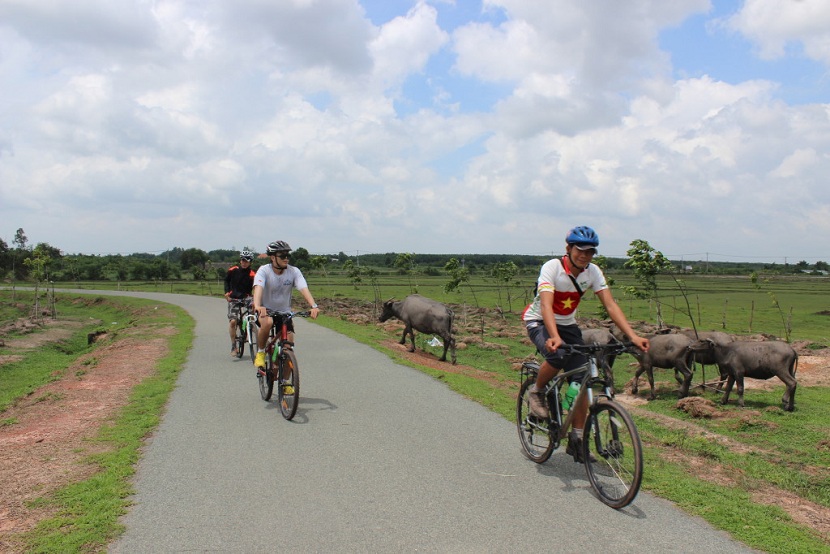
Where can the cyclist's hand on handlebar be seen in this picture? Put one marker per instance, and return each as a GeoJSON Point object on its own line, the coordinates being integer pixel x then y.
{"type": "Point", "coordinates": [314, 313]}
{"type": "Point", "coordinates": [228, 296]}
{"type": "Point", "coordinates": [552, 344]}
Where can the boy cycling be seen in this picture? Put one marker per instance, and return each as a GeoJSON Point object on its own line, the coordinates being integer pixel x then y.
{"type": "Point", "coordinates": [551, 320]}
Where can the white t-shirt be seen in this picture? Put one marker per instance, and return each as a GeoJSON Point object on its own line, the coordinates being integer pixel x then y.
{"type": "Point", "coordinates": [554, 277]}
{"type": "Point", "coordinates": [276, 289]}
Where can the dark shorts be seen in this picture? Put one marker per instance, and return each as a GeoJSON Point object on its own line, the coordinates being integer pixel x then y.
{"type": "Point", "coordinates": [278, 323]}
{"type": "Point", "coordinates": [570, 335]}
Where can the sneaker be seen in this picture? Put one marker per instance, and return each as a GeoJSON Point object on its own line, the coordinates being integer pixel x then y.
{"type": "Point", "coordinates": [538, 404]}
{"type": "Point", "coordinates": [259, 361]}
{"type": "Point", "coordinates": [233, 349]}
{"type": "Point", "coordinates": [575, 449]}
{"type": "Point", "coordinates": [287, 390]}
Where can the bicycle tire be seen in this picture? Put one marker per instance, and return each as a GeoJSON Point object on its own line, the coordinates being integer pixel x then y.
{"type": "Point", "coordinates": [252, 337]}
{"type": "Point", "coordinates": [240, 340]}
{"type": "Point", "coordinates": [265, 378]}
{"type": "Point", "coordinates": [289, 402]}
{"type": "Point", "coordinates": [611, 441]}
{"type": "Point", "coordinates": [535, 434]}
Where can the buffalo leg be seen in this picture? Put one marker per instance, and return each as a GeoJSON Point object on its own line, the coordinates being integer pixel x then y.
{"type": "Point", "coordinates": [687, 381]}
{"type": "Point", "coordinates": [740, 383]}
{"type": "Point", "coordinates": [788, 400]}
{"type": "Point", "coordinates": [729, 382]}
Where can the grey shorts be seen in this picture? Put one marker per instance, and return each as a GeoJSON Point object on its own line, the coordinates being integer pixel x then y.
{"type": "Point", "coordinates": [570, 335]}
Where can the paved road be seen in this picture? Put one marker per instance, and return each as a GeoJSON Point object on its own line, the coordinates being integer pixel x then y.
{"type": "Point", "coordinates": [380, 458]}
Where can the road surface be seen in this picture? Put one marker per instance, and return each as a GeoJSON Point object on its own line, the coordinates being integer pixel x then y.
{"type": "Point", "coordinates": [380, 458]}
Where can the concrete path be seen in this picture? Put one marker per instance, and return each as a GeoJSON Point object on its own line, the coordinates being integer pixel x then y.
{"type": "Point", "coordinates": [380, 458]}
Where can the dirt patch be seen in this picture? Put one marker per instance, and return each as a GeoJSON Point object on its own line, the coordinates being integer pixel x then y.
{"type": "Point", "coordinates": [803, 512]}
{"type": "Point", "coordinates": [46, 436]}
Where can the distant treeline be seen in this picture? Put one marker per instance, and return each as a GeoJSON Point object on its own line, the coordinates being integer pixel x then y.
{"type": "Point", "coordinates": [22, 261]}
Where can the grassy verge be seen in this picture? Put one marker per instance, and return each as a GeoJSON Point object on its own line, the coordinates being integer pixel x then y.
{"type": "Point", "coordinates": [41, 365]}
{"type": "Point", "coordinates": [88, 511]}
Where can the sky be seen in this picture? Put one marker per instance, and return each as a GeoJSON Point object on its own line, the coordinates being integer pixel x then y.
{"type": "Point", "coordinates": [422, 126]}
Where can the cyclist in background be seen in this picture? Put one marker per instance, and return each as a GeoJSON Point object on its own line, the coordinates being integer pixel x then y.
{"type": "Point", "coordinates": [273, 285]}
{"type": "Point", "coordinates": [239, 282]}
{"type": "Point", "coordinates": [551, 320]}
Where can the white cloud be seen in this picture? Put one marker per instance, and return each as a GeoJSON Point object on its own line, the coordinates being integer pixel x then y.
{"type": "Point", "coordinates": [192, 116]}
{"type": "Point", "coordinates": [773, 25]}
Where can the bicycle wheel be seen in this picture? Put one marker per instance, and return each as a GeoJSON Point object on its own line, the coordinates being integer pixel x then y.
{"type": "Point", "coordinates": [266, 381]}
{"type": "Point", "coordinates": [611, 439]}
{"type": "Point", "coordinates": [537, 437]}
{"type": "Point", "coordinates": [251, 333]}
{"type": "Point", "coordinates": [240, 340]}
{"type": "Point", "coordinates": [288, 394]}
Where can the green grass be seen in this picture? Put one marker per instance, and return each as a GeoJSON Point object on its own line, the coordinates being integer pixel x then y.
{"type": "Point", "coordinates": [88, 512]}
{"type": "Point", "coordinates": [41, 365]}
{"type": "Point", "coordinates": [783, 449]}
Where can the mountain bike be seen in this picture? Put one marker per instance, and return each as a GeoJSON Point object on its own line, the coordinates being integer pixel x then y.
{"type": "Point", "coordinates": [281, 366]}
{"type": "Point", "coordinates": [239, 309]}
{"type": "Point", "coordinates": [611, 445]}
{"type": "Point", "coordinates": [249, 325]}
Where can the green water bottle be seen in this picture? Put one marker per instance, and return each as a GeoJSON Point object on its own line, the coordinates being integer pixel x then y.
{"type": "Point", "coordinates": [570, 395]}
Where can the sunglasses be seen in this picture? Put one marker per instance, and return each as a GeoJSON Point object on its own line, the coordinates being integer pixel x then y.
{"type": "Point", "coordinates": [282, 256]}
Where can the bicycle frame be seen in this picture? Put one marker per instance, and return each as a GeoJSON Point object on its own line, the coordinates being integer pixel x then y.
{"type": "Point", "coordinates": [592, 376]}
{"type": "Point", "coordinates": [586, 391]}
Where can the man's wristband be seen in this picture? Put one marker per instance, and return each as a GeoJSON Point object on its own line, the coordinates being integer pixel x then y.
{"type": "Point", "coordinates": [314, 306]}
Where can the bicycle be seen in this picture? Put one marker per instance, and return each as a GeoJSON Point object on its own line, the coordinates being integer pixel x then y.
{"type": "Point", "coordinates": [250, 328]}
{"type": "Point", "coordinates": [611, 445]}
{"type": "Point", "coordinates": [281, 366]}
{"type": "Point", "coordinates": [239, 309]}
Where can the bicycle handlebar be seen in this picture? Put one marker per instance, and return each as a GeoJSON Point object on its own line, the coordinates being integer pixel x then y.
{"type": "Point", "coordinates": [289, 314]}
{"type": "Point", "coordinates": [592, 349]}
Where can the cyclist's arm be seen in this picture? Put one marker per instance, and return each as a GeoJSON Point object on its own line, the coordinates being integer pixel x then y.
{"type": "Point", "coordinates": [546, 306]}
{"type": "Point", "coordinates": [311, 303]}
{"type": "Point", "coordinates": [618, 317]}
{"type": "Point", "coordinates": [258, 307]}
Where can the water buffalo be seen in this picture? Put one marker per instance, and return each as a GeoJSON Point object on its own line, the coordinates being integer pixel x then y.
{"type": "Point", "coordinates": [425, 316]}
{"type": "Point", "coordinates": [670, 351]}
{"type": "Point", "coordinates": [755, 359]}
{"type": "Point", "coordinates": [602, 336]}
{"type": "Point", "coordinates": [707, 356]}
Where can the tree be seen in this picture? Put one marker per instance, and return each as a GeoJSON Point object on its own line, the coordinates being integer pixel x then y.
{"type": "Point", "coordinates": [503, 273]}
{"type": "Point", "coordinates": [354, 272]}
{"type": "Point", "coordinates": [300, 258]}
{"type": "Point", "coordinates": [193, 258]}
{"type": "Point", "coordinates": [320, 263]}
{"type": "Point", "coordinates": [647, 263]}
{"type": "Point", "coordinates": [405, 263]}
{"type": "Point", "coordinates": [20, 239]}
{"type": "Point", "coordinates": [5, 258]}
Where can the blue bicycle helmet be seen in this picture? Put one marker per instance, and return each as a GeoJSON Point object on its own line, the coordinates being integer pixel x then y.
{"type": "Point", "coordinates": [582, 236]}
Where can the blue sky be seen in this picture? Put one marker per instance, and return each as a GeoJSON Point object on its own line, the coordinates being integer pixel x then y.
{"type": "Point", "coordinates": [432, 126]}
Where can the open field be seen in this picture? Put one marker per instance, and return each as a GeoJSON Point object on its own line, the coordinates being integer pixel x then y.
{"type": "Point", "coordinates": [759, 473]}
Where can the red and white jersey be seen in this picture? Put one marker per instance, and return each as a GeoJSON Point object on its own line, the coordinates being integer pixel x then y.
{"type": "Point", "coordinates": [555, 277]}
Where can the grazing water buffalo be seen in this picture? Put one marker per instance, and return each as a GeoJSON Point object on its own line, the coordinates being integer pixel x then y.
{"type": "Point", "coordinates": [602, 336]}
{"type": "Point", "coordinates": [425, 316]}
{"type": "Point", "coordinates": [758, 360]}
{"type": "Point", "coordinates": [670, 351]}
{"type": "Point", "coordinates": [707, 356]}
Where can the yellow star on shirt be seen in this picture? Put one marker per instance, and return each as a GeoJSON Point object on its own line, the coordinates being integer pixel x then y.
{"type": "Point", "coordinates": [567, 303]}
